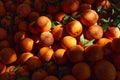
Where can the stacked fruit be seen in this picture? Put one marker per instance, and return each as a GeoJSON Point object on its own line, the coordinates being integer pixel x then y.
{"type": "Point", "coordinates": [59, 40]}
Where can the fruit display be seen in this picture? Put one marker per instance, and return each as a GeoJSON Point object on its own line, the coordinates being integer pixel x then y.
{"type": "Point", "coordinates": [59, 40]}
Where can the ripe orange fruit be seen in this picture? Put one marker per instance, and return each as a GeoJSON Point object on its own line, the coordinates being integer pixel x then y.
{"type": "Point", "coordinates": [3, 33]}
{"type": "Point", "coordinates": [94, 32]}
{"type": "Point", "coordinates": [94, 53]}
{"type": "Point", "coordinates": [44, 23]}
{"type": "Point", "coordinates": [60, 16]}
{"type": "Point", "coordinates": [51, 77]}
{"type": "Point", "coordinates": [68, 77]}
{"type": "Point", "coordinates": [57, 32]}
{"type": "Point", "coordinates": [74, 28]}
{"type": "Point", "coordinates": [33, 15]}
{"type": "Point", "coordinates": [81, 71]}
{"type": "Point", "coordinates": [39, 75]}
{"type": "Point", "coordinates": [104, 70]}
{"type": "Point", "coordinates": [89, 17]}
{"type": "Point", "coordinates": [10, 68]}
{"type": "Point", "coordinates": [24, 57]}
{"type": "Point", "coordinates": [23, 10]}
{"type": "Point", "coordinates": [45, 53]}
{"type": "Point", "coordinates": [112, 32]}
{"type": "Point", "coordinates": [70, 6]}
{"type": "Point", "coordinates": [59, 56]}
{"type": "Point", "coordinates": [85, 6]}
{"type": "Point", "coordinates": [116, 45]}
{"type": "Point", "coordinates": [46, 38]}
{"type": "Point", "coordinates": [18, 36]}
{"type": "Point", "coordinates": [33, 63]}
{"type": "Point", "coordinates": [68, 42]}
{"type": "Point", "coordinates": [26, 44]}
{"type": "Point", "coordinates": [4, 44]}
{"type": "Point", "coordinates": [8, 55]}
{"type": "Point", "coordinates": [2, 68]}
{"type": "Point", "coordinates": [75, 53]}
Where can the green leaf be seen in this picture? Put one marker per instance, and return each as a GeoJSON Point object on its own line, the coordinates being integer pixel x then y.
{"type": "Point", "coordinates": [113, 11]}
{"type": "Point", "coordinates": [89, 42]}
{"type": "Point", "coordinates": [82, 39]}
{"type": "Point", "coordinates": [66, 17]}
{"type": "Point", "coordinates": [53, 24]}
{"type": "Point", "coordinates": [16, 68]}
{"type": "Point", "coordinates": [105, 26]}
{"type": "Point", "coordinates": [118, 25]}
{"type": "Point", "coordinates": [58, 22]}
{"type": "Point", "coordinates": [99, 8]}
{"type": "Point", "coordinates": [23, 78]}
{"type": "Point", "coordinates": [105, 20]}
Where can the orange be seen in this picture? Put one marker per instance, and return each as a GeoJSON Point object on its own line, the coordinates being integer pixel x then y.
{"type": "Point", "coordinates": [89, 17]}
{"type": "Point", "coordinates": [74, 28]}
{"type": "Point", "coordinates": [26, 44]}
{"type": "Point", "coordinates": [112, 32]}
{"type": "Point", "coordinates": [8, 55]}
{"type": "Point", "coordinates": [51, 77]}
{"type": "Point", "coordinates": [4, 44]}
{"type": "Point", "coordinates": [25, 56]}
{"type": "Point", "coordinates": [68, 42]}
{"type": "Point", "coordinates": [58, 32]}
{"type": "Point", "coordinates": [23, 10]}
{"type": "Point", "coordinates": [94, 53]}
{"type": "Point", "coordinates": [8, 76]}
{"type": "Point", "coordinates": [85, 6]}
{"type": "Point", "coordinates": [70, 6]}
{"type": "Point", "coordinates": [81, 71]}
{"type": "Point", "coordinates": [10, 68]}
{"type": "Point", "coordinates": [33, 15]}
{"type": "Point", "coordinates": [68, 77]}
{"type": "Point", "coordinates": [3, 33]}
{"type": "Point", "coordinates": [44, 23]}
{"type": "Point", "coordinates": [39, 75]}
{"type": "Point", "coordinates": [94, 32]}
{"type": "Point", "coordinates": [33, 63]}
{"type": "Point", "coordinates": [18, 36]}
{"type": "Point", "coordinates": [46, 38]}
{"type": "Point", "coordinates": [59, 56]}
{"type": "Point", "coordinates": [104, 70]}
{"type": "Point", "coordinates": [45, 53]}
{"type": "Point", "coordinates": [59, 16]}
{"type": "Point", "coordinates": [2, 68]}
{"type": "Point", "coordinates": [23, 26]}
{"type": "Point", "coordinates": [116, 45]}
{"type": "Point", "coordinates": [75, 53]}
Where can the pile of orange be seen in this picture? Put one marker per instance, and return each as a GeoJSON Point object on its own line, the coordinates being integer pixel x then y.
{"type": "Point", "coordinates": [57, 40]}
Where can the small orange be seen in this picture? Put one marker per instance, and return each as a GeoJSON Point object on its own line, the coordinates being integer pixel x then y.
{"type": "Point", "coordinates": [10, 68]}
{"type": "Point", "coordinates": [70, 6]}
{"type": "Point", "coordinates": [116, 45]}
{"type": "Point", "coordinates": [60, 16]}
{"type": "Point", "coordinates": [3, 33]}
{"type": "Point", "coordinates": [94, 53]}
{"type": "Point", "coordinates": [89, 17]}
{"type": "Point", "coordinates": [51, 77]}
{"type": "Point", "coordinates": [23, 26]}
{"type": "Point", "coordinates": [26, 44]}
{"type": "Point", "coordinates": [46, 38]}
{"type": "Point", "coordinates": [4, 44]}
{"type": "Point", "coordinates": [74, 28]}
{"type": "Point", "coordinates": [25, 56]}
{"type": "Point", "coordinates": [33, 15]}
{"type": "Point", "coordinates": [104, 70]}
{"type": "Point", "coordinates": [68, 42]}
{"type": "Point", "coordinates": [44, 23]}
{"type": "Point", "coordinates": [59, 56]}
{"type": "Point", "coordinates": [45, 53]}
{"type": "Point", "coordinates": [33, 63]}
{"type": "Point", "coordinates": [2, 68]}
{"type": "Point", "coordinates": [81, 71]}
{"type": "Point", "coordinates": [75, 53]}
{"type": "Point", "coordinates": [68, 77]}
{"type": "Point", "coordinates": [8, 55]}
{"type": "Point", "coordinates": [85, 6]}
{"type": "Point", "coordinates": [94, 32]}
{"type": "Point", "coordinates": [39, 75]}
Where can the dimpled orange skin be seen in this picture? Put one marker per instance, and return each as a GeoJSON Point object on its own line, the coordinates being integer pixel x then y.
{"type": "Point", "coordinates": [75, 53]}
{"type": "Point", "coordinates": [94, 32]}
{"type": "Point", "coordinates": [89, 17]}
{"type": "Point", "coordinates": [43, 23]}
{"type": "Point", "coordinates": [74, 28]}
{"type": "Point", "coordinates": [8, 55]}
